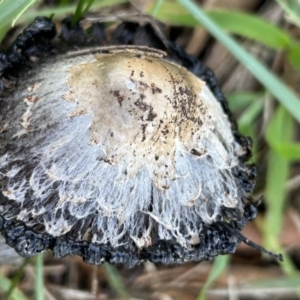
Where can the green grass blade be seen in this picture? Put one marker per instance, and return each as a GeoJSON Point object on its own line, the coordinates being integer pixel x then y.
{"type": "Point", "coordinates": [244, 24]}
{"type": "Point", "coordinates": [82, 8]}
{"type": "Point", "coordinates": [252, 27]}
{"type": "Point", "coordinates": [239, 100]}
{"type": "Point", "coordinates": [249, 115]}
{"type": "Point", "coordinates": [88, 6]}
{"type": "Point", "coordinates": [280, 129]}
{"type": "Point", "coordinates": [292, 9]}
{"type": "Point", "coordinates": [78, 12]}
{"type": "Point", "coordinates": [16, 279]}
{"type": "Point", "coordinates": [219, 266]}
{"type": "Point", "coordinates": [10, 11]}
{"type": "Point", "coordinates": [61, 11]}
{"type": "Point", "coordinates": [115, 281]}
{"type": "Point", "coordinates": [293, 55]}
{"type": "Point", "coordinates": [156, 7]}
{"type": "Point", "coordinates": [3, 31]}
{"type": "Point", "coordinates": [291, 152]}
{"type": "Point", "coordinates": [5, 284]}
{"type": "Point", "coordinates": [275, 86]}
{"type": "Point", "coordinates": [277, 175]}
{"type": "Point", "coordinates": [279, 136]}
{"type": "Point", "coordinates": [39, 278]}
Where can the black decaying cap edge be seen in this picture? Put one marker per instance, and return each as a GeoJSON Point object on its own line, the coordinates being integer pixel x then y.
{"type": "Point", "coordinates": [219, 238]}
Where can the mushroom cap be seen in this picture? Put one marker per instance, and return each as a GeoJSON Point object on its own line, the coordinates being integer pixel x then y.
{"type": "Point", "coordinates": [119, 149]}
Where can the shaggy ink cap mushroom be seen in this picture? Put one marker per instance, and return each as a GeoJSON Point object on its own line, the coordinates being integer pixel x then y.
{"type": "Point", "coordinates": [121, 153]}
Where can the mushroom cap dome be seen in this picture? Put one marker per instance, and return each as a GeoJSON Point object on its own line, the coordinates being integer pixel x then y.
{"type": "Point", "coordinates": [120, 155]}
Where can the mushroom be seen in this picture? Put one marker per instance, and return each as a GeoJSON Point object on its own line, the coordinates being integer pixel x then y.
{"type": "Point", "coordinates": [120, 153]}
